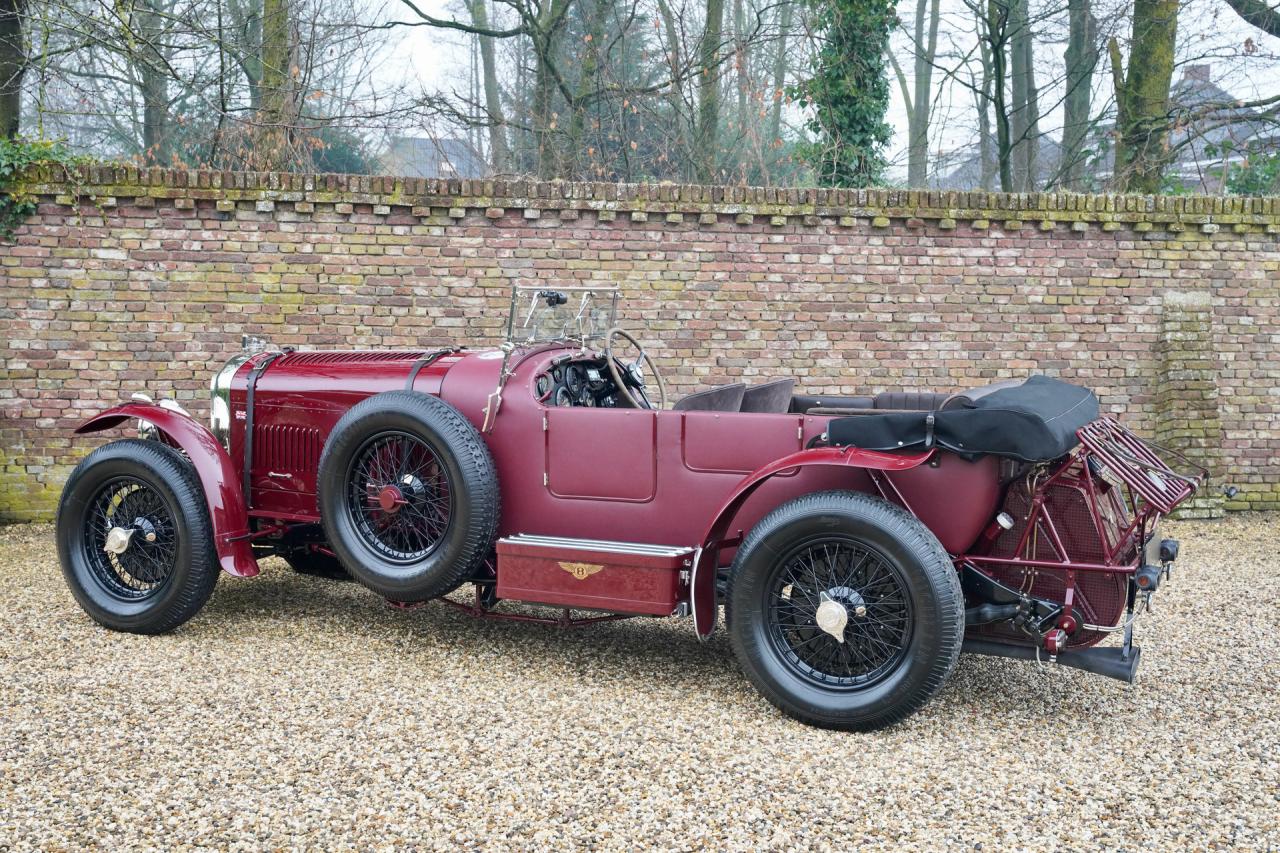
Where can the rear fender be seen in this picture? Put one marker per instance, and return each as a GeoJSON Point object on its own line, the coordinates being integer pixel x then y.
{"type": "Point", "coordinates": [703, 583]}
{"type": "Point", "coordinates": [219, 479]}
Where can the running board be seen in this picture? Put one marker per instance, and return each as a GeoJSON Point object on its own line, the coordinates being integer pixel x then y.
{"type": "Point", "coordinates": [1109, 662]}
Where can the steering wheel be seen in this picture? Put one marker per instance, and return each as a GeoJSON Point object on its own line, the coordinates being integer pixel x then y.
{"type": "Point", "coordinates": [629, 376]}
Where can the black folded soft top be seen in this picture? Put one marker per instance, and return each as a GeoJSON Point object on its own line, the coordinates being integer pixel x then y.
{"type": "Point", "coordinates": [1035, 422]}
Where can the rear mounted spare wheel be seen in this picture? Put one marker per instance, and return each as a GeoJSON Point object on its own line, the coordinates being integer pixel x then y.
{"type": "Point", "coordinates": [844, 610]}
{"type": "Point", "coordinates": [408, 495]}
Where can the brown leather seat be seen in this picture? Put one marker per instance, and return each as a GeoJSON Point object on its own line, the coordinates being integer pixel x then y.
{"type": "Point", "coordinates": [772, 396]}
{"type": "Point", "coordinates": [723, 398]}
{"type": "Point", "coordinates": [801, 403]}
{"type": "Point", "coordinates": [964, 399]}
{"type": "Point", "coordinates": [911, 401]}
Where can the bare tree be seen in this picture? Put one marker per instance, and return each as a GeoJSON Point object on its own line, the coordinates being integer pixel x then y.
{"type": "Point", "coordinates": [918, 98]}
{"type": "Point", "coordinates": [1025, 112]}
{"type": "Point", "coordinates": [498, 155]}
{"type": "Point", "coordinates": [708, 127]}
{"type": "Point", "coordinates": [781, 54]}
{"type": "Point", "coordinates": [1259, 14]}
{"type": "Point", "coordinates": [1081, 58]}
{"type": "Point", "coordinates": [276, 113]}
{"type": "Point", "coordinates": [13, 66]}
{"type": "Point", "coordinates": [1142, 96]}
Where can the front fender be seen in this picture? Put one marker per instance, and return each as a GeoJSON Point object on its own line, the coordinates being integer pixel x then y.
{"type": "Point", "coordinates": [703, 583]}
{"type": "Point", "coordinates": [218, 477]}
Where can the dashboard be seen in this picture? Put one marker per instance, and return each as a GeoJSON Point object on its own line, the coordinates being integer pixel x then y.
{"type": "Point", "coordinates": [580, 381]}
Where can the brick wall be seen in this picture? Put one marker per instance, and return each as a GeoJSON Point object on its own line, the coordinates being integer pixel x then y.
{"type": "Point", "coordinates": [1169, 308]}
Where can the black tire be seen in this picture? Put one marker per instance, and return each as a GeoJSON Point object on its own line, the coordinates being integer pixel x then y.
{"type": "Point", "coordinates": [153, 586]}
{"type": "Point", "coordinates": [416, 550]}
{"type": "Point", "coordinates": [893, 581]}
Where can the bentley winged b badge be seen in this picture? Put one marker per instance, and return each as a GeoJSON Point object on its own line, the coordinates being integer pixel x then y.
{"type": "Point", "coordinates": [581, 571]}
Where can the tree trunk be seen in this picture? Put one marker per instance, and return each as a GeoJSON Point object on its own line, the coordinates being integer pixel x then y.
{"type": "Point", "coordinates": [1142, 97]}
{"type": "Point", "coordinates": [926, 50]}
{"type": "Point", "coordinates": [1258, 13]}
{"type": "Point", "coordinates": [779, 74]}
{"type": "Point", "coordinates": [741, 66]}
{"type": "Point", "coordinates": [544, 39]}
{"type": "Point", "coordinates": [588, 84]}
{"type": "Point", "coordinates": [498, 155]}
{"type": "Point", "coordinates": [274, 113]}
{"type": "Point", "coordinates": [153, 84]}
{"type": "Point", "coordinates": [544, 120]}
{"type": "Point", "coordinates": [13, 64]}
{"type": "Point", "coordinates": [1081, 57]}
{"type": "Point", "coordinates": [1024, 119]}
{"type": "Point", "coordinates": [997, 35]}
{"type": "Point", "coordinates": [675, 92]}
{"type": "Point", "coordinates": [982, 96]}
{"type": "Point", "coordinates": [706, 138]}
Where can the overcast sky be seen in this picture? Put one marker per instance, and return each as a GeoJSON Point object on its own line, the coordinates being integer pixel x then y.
{"type": "Point", "coordinates": [1244, 61]}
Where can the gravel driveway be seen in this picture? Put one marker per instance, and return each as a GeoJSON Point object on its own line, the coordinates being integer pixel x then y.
{"type": "Point", "coordinates": [298, 712]}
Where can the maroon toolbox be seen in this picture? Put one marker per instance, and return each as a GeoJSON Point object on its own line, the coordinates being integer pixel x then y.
{"type": "Point", "coordinates": [621, 577]}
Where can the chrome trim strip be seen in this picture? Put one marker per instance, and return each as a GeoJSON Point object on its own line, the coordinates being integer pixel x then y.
{"type": "Point", "coordinates": [602, 545]}
{"type": "Point", "coordinates": [220, 398]}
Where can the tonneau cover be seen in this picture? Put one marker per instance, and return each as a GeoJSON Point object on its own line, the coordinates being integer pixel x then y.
{"type": "Point", "coordinates": [1035, 422]}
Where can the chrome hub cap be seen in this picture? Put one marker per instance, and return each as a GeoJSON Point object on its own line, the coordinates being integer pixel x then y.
{"type": "Point", "coordinates": [118, 539]}
{"type": "Point", "coordinates": [831, 616]}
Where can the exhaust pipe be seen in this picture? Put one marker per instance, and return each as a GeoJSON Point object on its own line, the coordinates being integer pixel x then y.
{"type": "Point", "coordinates": [1109, 662]}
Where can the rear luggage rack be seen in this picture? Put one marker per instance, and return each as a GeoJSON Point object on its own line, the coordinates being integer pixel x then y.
{"type": "Point", "coordinates": [1134, 462]}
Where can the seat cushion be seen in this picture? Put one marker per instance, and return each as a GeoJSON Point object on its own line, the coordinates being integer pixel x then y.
{"type": "Point", "coordinates": [801, 403]}
{"type": "Point", "coordinates": [913, 401]}
{"type": "Point", "coordinates": [723, 398]}
{"type": "Point", "coordinates": [772, 396]}
{"type": "Point", "coordinates": [966, 399]}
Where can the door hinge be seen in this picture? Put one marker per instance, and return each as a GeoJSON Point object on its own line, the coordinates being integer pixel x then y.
{"type": "Point", "coordinates": [544, 423]}
{"type": "Point", "coordinates": [546, 480]}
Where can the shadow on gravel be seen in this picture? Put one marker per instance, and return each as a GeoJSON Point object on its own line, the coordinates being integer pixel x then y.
{"type": "Point", "coordinates": [297, 607]}
{"type": "Point", "coordinates": [282, 608]}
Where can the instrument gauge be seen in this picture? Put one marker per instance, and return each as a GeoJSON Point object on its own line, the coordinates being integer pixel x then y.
{"type": "Point", "coordinates": [542, 386]}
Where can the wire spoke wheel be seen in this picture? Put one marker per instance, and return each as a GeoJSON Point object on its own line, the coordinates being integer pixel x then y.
{"type": "Point", "coordinates": [408, 495]}
{"type": "Point", "coordinates": [839, 613]}
{"type": "Point", "coordinates": [844, 610]}
{"type": "Point", "coordinates": [129, 505]}
{"type": "Point", "coordinates": [399, 496]}
{"type": "Point", "coordinates": [134, 537]}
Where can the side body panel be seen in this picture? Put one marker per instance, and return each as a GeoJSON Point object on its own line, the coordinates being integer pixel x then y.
{"type": "Point", "coordinates": [663, 477]}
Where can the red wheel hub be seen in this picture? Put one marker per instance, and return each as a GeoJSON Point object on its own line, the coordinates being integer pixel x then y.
{"type": "Point", "coordinates": [390, 499]}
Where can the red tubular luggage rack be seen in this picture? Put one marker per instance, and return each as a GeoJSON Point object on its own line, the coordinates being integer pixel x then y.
{"type": "Point", "coordinates": [1134, 461]}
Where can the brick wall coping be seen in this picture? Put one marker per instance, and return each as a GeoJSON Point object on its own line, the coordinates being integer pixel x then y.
{"type": "Point", "coordinates": [109, 185]}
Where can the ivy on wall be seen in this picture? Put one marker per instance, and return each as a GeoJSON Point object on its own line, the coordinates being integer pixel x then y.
{"type": "Point", "coordinates": [17, 157]}
{"type": "Point", "coordinates": [848, 92]}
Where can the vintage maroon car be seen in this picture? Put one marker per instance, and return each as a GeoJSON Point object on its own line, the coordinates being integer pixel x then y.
{"type": "Point", "coordinates": [856, 543]}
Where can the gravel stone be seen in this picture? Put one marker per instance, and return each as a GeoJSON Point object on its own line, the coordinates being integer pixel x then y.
{"type": "Point", "coordinates": [297, 712]}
